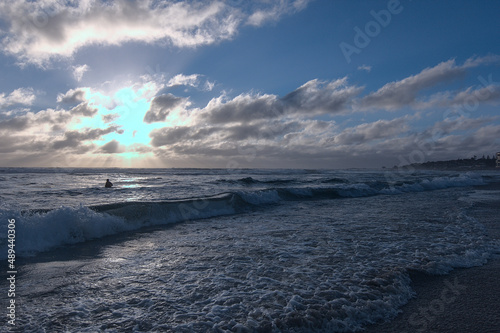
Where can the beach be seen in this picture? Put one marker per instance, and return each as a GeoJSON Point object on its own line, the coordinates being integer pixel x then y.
{"type": "Point", "coordinates": [466, 300]}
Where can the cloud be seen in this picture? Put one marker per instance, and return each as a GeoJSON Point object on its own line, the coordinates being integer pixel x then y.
{"type": "Point", "coordinates": [184, 80]}
{"type": "Point", "coordinates": [170, 135]}
{"type": "Point", "coordinates": [111, 147]}
{"type": "Point", "coordinates": [274, 130]}
{"type": "Point", "coordinates": [459, 124]}
{"type": "Point", "coordinates": [208, 86]}
{"type": "Point", "coordinates": [15, 124]}
{"type": "Point", "coordinates": [472, 96]}
{"type": "Point", "coordinates": [83, 109]}
{"type": "Point", "coordinates": [74, 139]}
{"type": "Point", "coordinates": [317, 97]}
{"type": "Point", "coordinates": [215, 135]}
{"type": "Point", "coordinates": [108, 118]}
{"type": "Point", "coordinates": [380, 129]}
{"type": "Point", "coordinates": [30, 120]}
{"type": "Point", "coordinates": [478, 61]}
{"type": "Point", "coordinates": [275, 11]}
{"type": "Point", "coordinates": [23, 96]}
{"type": "Point", "coordinates": [44, 30]}
{"type": "Point", "coordinates": [303, 128]}
{"type": "Point", "coordinates": [365, 68]}
{"type": "Point", "coordinates": [78, 71]}
{"type": "Point", "coordinates": [398, 94]}
{"type": "Point", "coordinates": [482, 139]}
{"type": "Point", "coordinates": [45, 120]}
{"type": "Point", "coordinates": [468, 99]}
{"type": "Point", "coordinates": [73, 96]}
{"type": "Point", "coordinates": [41, 31]}
{"type": "Point", "coordinates": [161, 106]}
{"type": "Point", "coordinates": [242, 108]}
{"type": "Point", "coordinates": [193, 80]}
{"type": "Point", "coordinates": [312, 98]}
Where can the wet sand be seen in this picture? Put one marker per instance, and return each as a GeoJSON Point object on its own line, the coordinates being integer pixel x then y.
{"type": "Point", "coordinates": [466, 300]}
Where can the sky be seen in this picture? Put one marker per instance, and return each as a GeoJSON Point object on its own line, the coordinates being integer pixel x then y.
{"type": "Point", "coordinates": [242, 84]}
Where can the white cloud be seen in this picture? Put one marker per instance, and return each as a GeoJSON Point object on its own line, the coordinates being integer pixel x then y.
{"type": "Point", "coordinates": [78, 71]}
{"type": "Point", "coordinates": [468, 99]}
{"type": "Point", "coordinates": [41, 31]}
{"type": "Point", "coordinates": [23, 96]}
{"type": "Point", "coordinates": [184, 80]}
{"type": "Point", "coordinates": [209, 86]}
{"type": "Point", "coordinates": [398, 94]}
{"type": "Point", "coordinates": [275, 11]}
{"type": "Point", "coordinates": [365, 68]}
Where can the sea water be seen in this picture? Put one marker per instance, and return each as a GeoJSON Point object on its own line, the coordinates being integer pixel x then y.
{"type": "Point", "coordinates": [215, 250]}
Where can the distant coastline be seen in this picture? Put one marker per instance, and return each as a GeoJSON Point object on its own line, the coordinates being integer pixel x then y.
{"type": "Point", "coordinates": [484, 163]}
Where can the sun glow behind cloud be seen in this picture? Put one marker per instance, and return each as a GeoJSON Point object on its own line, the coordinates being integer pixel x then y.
{"type": "Point", "coordinates": [124, 109]}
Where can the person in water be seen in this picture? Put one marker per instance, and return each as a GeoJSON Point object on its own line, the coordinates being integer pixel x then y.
{"type": "Point", "coordinates": [108, 183]}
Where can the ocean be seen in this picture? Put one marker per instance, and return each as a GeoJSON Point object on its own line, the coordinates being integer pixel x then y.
{"type": "Point", "coordinates": [216, 250]}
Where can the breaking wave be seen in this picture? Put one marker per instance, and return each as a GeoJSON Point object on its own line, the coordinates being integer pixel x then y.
{"type": "Point", "coordinates": [42, 230]}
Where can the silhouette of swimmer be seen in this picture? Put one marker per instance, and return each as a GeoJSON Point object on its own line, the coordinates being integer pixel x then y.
{"type": "Point", "coordinates": [108, 183]}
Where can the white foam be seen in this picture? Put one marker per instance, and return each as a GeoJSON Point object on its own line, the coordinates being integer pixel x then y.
{"type": "Point", "coordinates": [38, 232]}
{"type": "Point", "coordinates": [41, 232]}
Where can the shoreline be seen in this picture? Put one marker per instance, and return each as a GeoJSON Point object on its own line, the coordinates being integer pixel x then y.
{"type": "Point", "coordinates": [465, 300]}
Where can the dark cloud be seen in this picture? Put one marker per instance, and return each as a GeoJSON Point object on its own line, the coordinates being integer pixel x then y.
{"type": "Point", "coordinates": [458, 124]}
{"type": "Point", "coordinates": [321, 97]}
{"type": "Point", "coordinates": [243, 108]}
{"type": "Point", "coordinates": [110, 117]}
{"type": "Point", "coordinates": [73, 139]}
{"type": "Point", "coordinates": [168, 135]}
{"type": "Point", "coordinates": [10, 144]}
{"type": "Point", "coordinates": [50, 116]}
{"type": "Point", "coordinates": [263, 130]}
{"type": "Point", "coordinates": [84, 109]}
{"type": "Point", "coordinates": [172, 135]}
{"type": "Point", "coordinates": [111, 147]}
{"type": "Point", "coordinates": [312, 98]}
{"type": "Point", "coordinates": [15, 124]}
{"type": "Point", "coordinates": [216, 134]}
{"type": "Point", "coordinates": [30, 119]}
{"type": "Point", "coordinates": [161, 107]}
{"type": "Point", "coordinates": [73, 96]}
{"type": "Point", "coordinates": [381, 129]}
